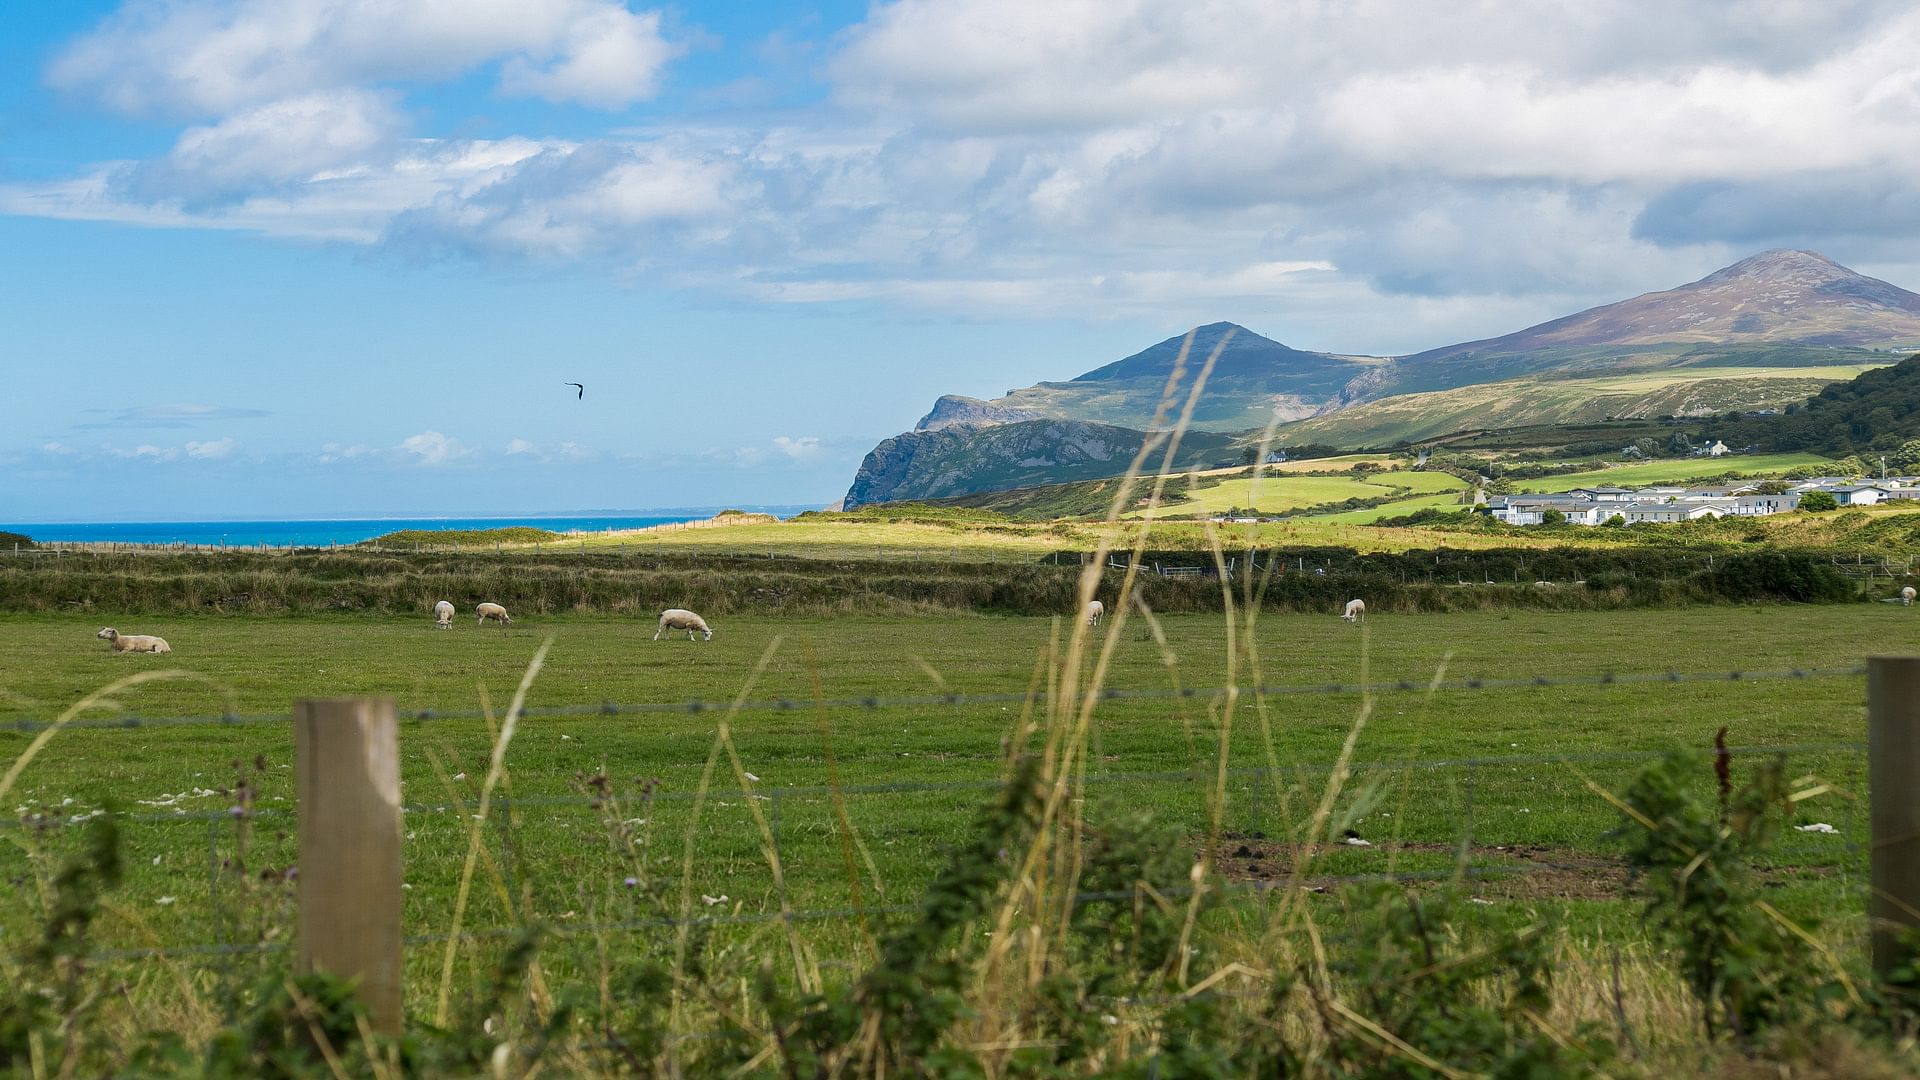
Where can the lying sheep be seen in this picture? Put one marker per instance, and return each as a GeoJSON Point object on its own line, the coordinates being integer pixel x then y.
{"type": "Point", "coordinates": [682, 619]}
{"type": "Point", "coordinates": [1095, 609]}
{"type": "Point", "coordinates": [133, 642]}
{"type": "Point", "coordinates": [443, 615]}
{"type": "Point", "coordinates": [1906, 595]}
{"type": "Point", "coordinates": [1356, 611]}
{"type": "Point", "coordinates": [493, 611]}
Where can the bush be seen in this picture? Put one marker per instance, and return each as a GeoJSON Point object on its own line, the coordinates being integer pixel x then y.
{"type": "Point", "coordinates": [9, 539]}
{"type": "Point", "coordinates": [1772, 575]}
{"type": "Point", "coordinates": [1817, 502]}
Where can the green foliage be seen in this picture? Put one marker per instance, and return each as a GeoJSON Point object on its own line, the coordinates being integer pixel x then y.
{"type": "Point", "coordinates": [1819, 502]}
{"type": "Point", "coordinates": [1474, 1001]}
{"type": "Point", "coordinates": [1774, 575]}
{"type": "Point", "coordinates": [9, 539]}
{"type": "Point", "coordinates": [1877, 409]}
{"type": "Point", "coordinates": [1552, 517]}
{"type": "Point", "coordinates": [45, 1011]}
{"type": "Point", "coordinates": [512, 534]}
{"type": "Point", "coordinates": [1747, 970]}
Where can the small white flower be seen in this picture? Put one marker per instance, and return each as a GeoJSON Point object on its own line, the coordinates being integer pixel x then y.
{"type": "Point", "coordinates": [1526, 811]}
{"type": "Point", "coordinates": [566, 738]}
{"type": "Point", "coordinates": [165, 901]}
{"type": "Point", "coordinates": [156, 860]}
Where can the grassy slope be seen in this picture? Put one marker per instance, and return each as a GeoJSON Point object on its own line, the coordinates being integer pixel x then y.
{"type": "Point", "coordinates": [1276, 494]}
{"type": "Point", "coordinates": [1679, 469]}
{"type": "Point", "coordinates": [1534, 400]}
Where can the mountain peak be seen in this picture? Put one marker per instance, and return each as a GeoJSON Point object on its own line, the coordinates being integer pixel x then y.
{"type": "Point", "coordinates": [1248, 353]}
{"type": "Point", "coordinates": [1782, 264]}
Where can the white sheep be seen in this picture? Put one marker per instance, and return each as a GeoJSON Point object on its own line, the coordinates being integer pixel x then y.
{"type": "Point", "coordinates": [1356, 611]}
{"type": "Point", "coordinates": [1906, 595]}
{"type": "Point", "coordinates": [682, 619]}
{"type": "Point", "coordinates": [493, 611]}
{"type": "Point", "coordinates": [443, 616]}
{"type": "Point", "coordinates": [133, 642]}
{"type": "Point", "coordinates": [1095, 609]}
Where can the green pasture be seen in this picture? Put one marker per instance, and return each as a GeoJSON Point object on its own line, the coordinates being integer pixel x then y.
{"type": "Point", "coordinates": [1674, 471]}
{"type": "Point", "coordinates": [1278, 493]}
{"type": "Point", "coordinates": [1437, 771]}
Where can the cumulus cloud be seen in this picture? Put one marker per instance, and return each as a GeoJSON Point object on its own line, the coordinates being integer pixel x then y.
{"type": "Point", "coordinates": [260, 149]}
{"type": "Point", "coordinates": [433, 448]}
{"type": "Point", "coordinates": [799, 449]}
{"type": "Point", "coordinates": [212, 57]}
{"type": "Point", "coordinates": [520, 446]}
{"type": "Point", "coordinates": [1292, 163]}
{"type": "Point", "coordinates": [212, 449]}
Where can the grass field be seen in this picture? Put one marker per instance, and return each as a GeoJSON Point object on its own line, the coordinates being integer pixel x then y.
{"type": "Point", "coordinates": [1488, 785]}
{"type": "Point", "coordinates": [257, 666]}
{"type": "Point", "coordinates": [1679, 469]}
{"type": "Point", "coordinates": [1278, 494]}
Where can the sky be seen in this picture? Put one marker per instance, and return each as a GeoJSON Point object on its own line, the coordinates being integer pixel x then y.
{"type": "Point", "coordinates": [269, 258]}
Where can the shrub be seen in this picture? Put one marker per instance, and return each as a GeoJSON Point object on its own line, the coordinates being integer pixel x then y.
{"type": "Point", "coordinates": [1815, 502]}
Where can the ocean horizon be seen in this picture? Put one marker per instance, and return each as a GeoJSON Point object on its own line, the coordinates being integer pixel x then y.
{"type": "Point", "coordinates": [324, 532]}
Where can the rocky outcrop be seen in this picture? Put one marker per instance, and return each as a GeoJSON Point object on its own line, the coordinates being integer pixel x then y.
{"type": "Point", "coordinates": [956, 410]}
{"type": "Point", "coordinates": [963, 460]}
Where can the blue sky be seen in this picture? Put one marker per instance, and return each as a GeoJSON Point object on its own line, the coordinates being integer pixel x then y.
{"type": "Point", "coordinates": [299, 257]}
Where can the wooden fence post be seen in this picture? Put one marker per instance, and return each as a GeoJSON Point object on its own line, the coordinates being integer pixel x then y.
{"type": "Point", "coordinates": [1893, 782]}
{"type": "Point", "coordinates": [347, 785]}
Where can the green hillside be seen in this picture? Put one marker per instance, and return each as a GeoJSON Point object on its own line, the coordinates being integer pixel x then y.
{"type": "Point", "coordinates": [1876, 411]}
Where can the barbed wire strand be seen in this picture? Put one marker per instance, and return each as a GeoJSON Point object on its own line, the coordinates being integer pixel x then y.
{"type": "Point", "coordinates": [696, 706]}
{"type": "Point", "coordinates": [807, 791]}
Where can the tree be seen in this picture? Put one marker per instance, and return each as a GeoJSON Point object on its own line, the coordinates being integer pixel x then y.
{"type": "Point", "coordinates": [1815, 502]}
{"type": "Point", "coordinates": [1680, 444]}
{"type": "Point", "coordinates": [1551, 516]}
{"type": "Point", "coordinates": [1250, 455]}
{"type": "Point", "coordinates": [1614, 522]}
{"type": "Point", "coordinates": [1646, 446]}
{"type": "Point", "coordinates": [1906, 457]}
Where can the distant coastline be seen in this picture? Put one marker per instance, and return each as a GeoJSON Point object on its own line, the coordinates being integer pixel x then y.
{"type": "Point", "coordinates": [320, 532]}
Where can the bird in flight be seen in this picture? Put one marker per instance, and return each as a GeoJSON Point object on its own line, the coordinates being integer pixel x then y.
{"type": "Point", "coordinates": [583, 391]}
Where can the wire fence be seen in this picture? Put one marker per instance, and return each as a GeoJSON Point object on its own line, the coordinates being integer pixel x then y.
{"type": "Point", "coordinates": [876, 702]}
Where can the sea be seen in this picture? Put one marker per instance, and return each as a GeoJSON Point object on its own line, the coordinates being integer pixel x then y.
{"type": "Point", "coordinates": [327, 532]}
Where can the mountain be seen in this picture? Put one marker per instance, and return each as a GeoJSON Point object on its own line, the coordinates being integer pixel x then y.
{"type": "Point", "coordinates": [1762, 333]}
{"type": "Point", "coordinates": [1780, 295]}
{"type": "Point", "coordinates": [1779, 308]}
{"type": "Point", "coordinates": [966, 460]}
{"type": "Point", "coordinates": [1255, 380]}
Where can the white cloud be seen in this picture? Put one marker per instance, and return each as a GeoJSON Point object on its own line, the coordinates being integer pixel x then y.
{"type": "Point", "coordinates": [1303, 166]}
{"type": "Point", "coordinates": [521, 446]}
{"type": "Point", "coordinates": [294, 139]}
{"type": "Point", "coordinates": [609, 57]}
{"type": "Point", "coordinates": [332, 453]}
{"type": "Point", "coordinates": [433, 448]}
{"type": "Point", "coordinates": [799, 449]}
{"type": "Point", "coordinates": [212, 449]}
{"type": "Point", "coordinates": [144, 452]}
{"type": "Point", "coordinates": [211, 57]}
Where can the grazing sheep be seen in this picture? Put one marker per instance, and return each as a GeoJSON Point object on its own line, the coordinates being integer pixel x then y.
{"type": "Point", "coordinates": [493, 611]}
{"type": "Point", "coordinates": [1906, 595]}
{"type": "Point", "coordinates": [682, 619]}
{"type": "Point", "coordinates": [1356, 611]}
{"type": "Point", "coordinates": [443, 615]}
{"type": "Point", "coordinates": [133, 642]}
{"type": "Point", "coordinates": [1095, 609]}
